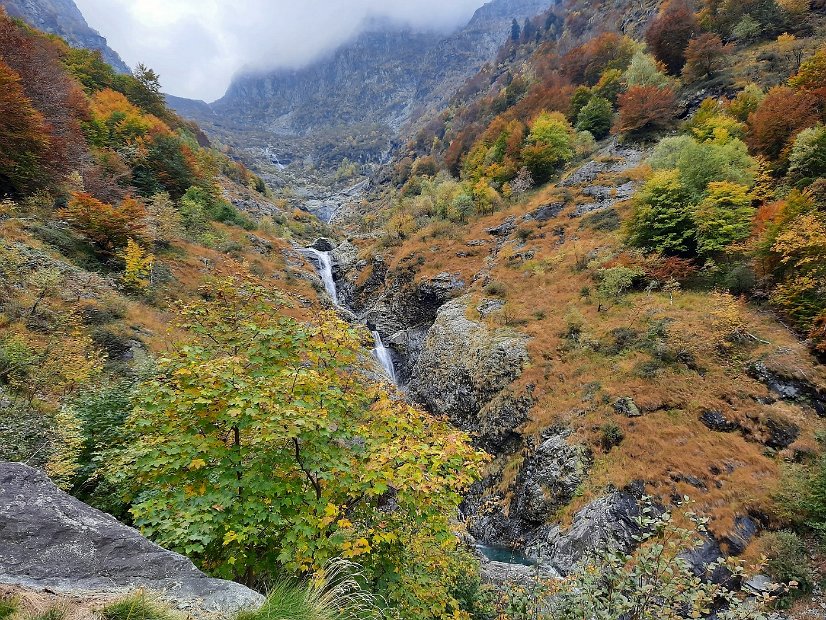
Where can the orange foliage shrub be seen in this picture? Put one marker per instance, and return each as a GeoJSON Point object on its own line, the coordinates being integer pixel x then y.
{"type": "Point", "coordinates": [106, 226]}
{"type": "Point", "coordinates": [669, 34]}
{"type": "Point", "coordinates": [781, 116]}
{"type": "Point", "coordinates": [586, 63]}
{"type": "Point", "coordinates": [23, 138]}
{"type": "Point", "coordinates": [645, 108]}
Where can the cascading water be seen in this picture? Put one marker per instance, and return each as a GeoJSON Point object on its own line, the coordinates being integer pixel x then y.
{"type": "Point", "coordinates": [325, 269]}
{"type": "Point", "coordinates": [382, 354]}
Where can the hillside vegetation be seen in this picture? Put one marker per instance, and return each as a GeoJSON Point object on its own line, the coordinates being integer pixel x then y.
{"type": "Point", "coordinates": [601, 270]}
{"type": "Point", "coordinates": [648, 210]}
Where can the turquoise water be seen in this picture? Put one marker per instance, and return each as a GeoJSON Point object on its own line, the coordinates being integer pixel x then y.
{"type": "Point", "coordinates": [505, 555]}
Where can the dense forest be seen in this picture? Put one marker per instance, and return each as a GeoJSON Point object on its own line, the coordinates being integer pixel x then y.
{"type": "Point", "coordinates": [636, 216]}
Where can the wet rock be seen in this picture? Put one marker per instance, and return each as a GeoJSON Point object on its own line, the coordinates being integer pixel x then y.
{"type": "Point", "coordinates": [504, 229]}
{"type": "Point", "coordinates": [627, 407]}
{"type": "Point", "coordinates": [549, 479]}
{"type": "Point", "coordinates": [546, 212]}
{"type": "Point", "coordinates": [703, 560]}
{"type": "Point", "coordinates": [688, 479]}
{"type": "Point", "coordinates": [407, 345]}
{"type": "Point", "coordinates": [738, 540]}
{"type": "Point", "coordinates": [714, 420]}
{"type": "Point", "coordinates": [49, 539]}
{"type": "Point", "coordinates": [761, 585]}
{"type": "Point", "coordinates": [782, 433]}
{"type": "Point", "coordinates": [607, 522]}
{"type": "Point", "coordinates": [323, 245]}
{"type": "Point", "coordinates": [791, 387]}
{"type": "Point", "coordinates": [504, 574]}
{"type": "Point", "coordinates": [464, 365]}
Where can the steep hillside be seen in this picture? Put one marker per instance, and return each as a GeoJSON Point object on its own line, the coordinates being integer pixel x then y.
{"type": "Point", "coordinates": [63, 18]}
{"type": "Point", "coordinates": [541, 266]}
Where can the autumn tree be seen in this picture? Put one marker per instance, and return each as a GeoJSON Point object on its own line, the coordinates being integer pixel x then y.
{"type": "Point", "coordinates": [704, 56]}
{"type": "Point", "coordinates": [23, 137]}
{"type": "Point", "coordinates": [106, 226]}
{"type": "Point", "coordinates": [645, 108]}
{"type": "Point", "coordinates": [261, 446]}
{"type": "Point", "coordinates": [669, 34]}
{"type": "Point", "coordinates": [811, 76]}
{"type": "Point", "coordinates": [548, 146]}
{"type": "Point", "coordinates": [723, 217]}
{"type": "Point", "coordinates": [58, 98]}
{"type": "Point", "coordinates": [781, 116]}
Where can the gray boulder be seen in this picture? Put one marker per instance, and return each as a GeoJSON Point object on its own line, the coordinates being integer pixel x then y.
{"type": "Point", "coordinates": [49, 539]}
{"type": "Point", "coordinates": [464, 365]}
{"type": "Point", "coordinates": [549, 479]}
{"type": "Point", "coordinates": [609, 522]}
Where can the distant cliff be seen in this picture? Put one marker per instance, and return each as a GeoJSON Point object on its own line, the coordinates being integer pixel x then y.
{"type": "Point", "coordinates": [354, 102]}
{"type": "Point", "coordinates": [63, 18]}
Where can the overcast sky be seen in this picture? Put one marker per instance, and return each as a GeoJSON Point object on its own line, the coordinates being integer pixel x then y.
{"type": "Point", "coordinates": [198, 45]}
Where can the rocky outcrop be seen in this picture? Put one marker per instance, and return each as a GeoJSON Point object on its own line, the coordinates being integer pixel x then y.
{"type": "Point", "coordinates": [49, 539]}
{"type": "Point", "coordinates": [609, 522]}
{"type": "Point", "coordinates": [463, 367]}
{"type": "Point", "coordinates": [790, 385]}
{"type": "Point", "coordinates": [549, 479]}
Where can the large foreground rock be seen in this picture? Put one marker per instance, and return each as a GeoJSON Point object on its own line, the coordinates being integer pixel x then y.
{"type": "Point", "coordinates": [49, 539]}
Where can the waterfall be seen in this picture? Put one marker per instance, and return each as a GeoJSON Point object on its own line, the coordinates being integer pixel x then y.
{"type": "Point", "coordinates": [325, 270]}
{"type": "Point", "coordinates": [382, 354]}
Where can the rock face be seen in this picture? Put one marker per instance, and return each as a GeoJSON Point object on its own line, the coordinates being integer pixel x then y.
{"type": "Point", "coordinates": [790, 386]}
{"type": "Point", "coordinates": [549, 479]}
{"type": "Point", "coordinates": [607, 522]}
{"type": "Point", "coordinates": [352, 102]}
{"type": "Point", "coordinates": [63, 18]}
{"type": "Point", "coordinates": [463, 366]}
{"type": "Point", "coordinates": [49, 539]}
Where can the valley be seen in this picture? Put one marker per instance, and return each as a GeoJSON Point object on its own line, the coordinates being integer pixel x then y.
{"type": "Point", "coordinates": [524, 320]}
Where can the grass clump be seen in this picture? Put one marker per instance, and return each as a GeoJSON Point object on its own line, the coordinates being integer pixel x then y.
{"type": "Point", "coordinates": [332, 594]}
{"type": "Point", "coordinates": [8, 606]}
{"type": "Point", "coordinates": [136, 607]}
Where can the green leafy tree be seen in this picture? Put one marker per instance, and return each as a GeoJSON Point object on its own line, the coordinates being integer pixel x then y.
{"type": "Point", "coordinates": [723, 217]}
{"type": "Point", "coordinates": [807, 161]}
{"type": "Point", "coordinates": [661, 220]}
{"type": "Point", "coordinates": [261, 445]}
{"type": "Point", "coordinates": [722, 159]}
{"type": "Point", "coordinates": [549, 145]}
{"type": "Point", "coordinates": [596, 117]}
{"type": "Point", "coordinates": [582, 95]}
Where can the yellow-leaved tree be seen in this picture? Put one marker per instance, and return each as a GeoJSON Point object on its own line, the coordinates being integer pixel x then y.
{"type": "Point", "coordinates": [261, 446]}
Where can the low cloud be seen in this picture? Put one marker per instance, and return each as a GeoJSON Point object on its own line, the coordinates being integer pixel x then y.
{"type": "Point", "coordinates": [198, 45]}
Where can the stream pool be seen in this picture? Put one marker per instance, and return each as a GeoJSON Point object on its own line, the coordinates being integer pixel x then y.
{"type": "Point", "coordinates": [504, 555]}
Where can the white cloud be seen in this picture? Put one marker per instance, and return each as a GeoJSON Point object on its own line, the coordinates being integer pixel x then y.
{"type": "Point", "coordinates": [198, 45]}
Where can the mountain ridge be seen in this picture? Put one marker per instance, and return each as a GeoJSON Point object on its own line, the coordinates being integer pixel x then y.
{"type": "Point", "coordinates": [64, 18]}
